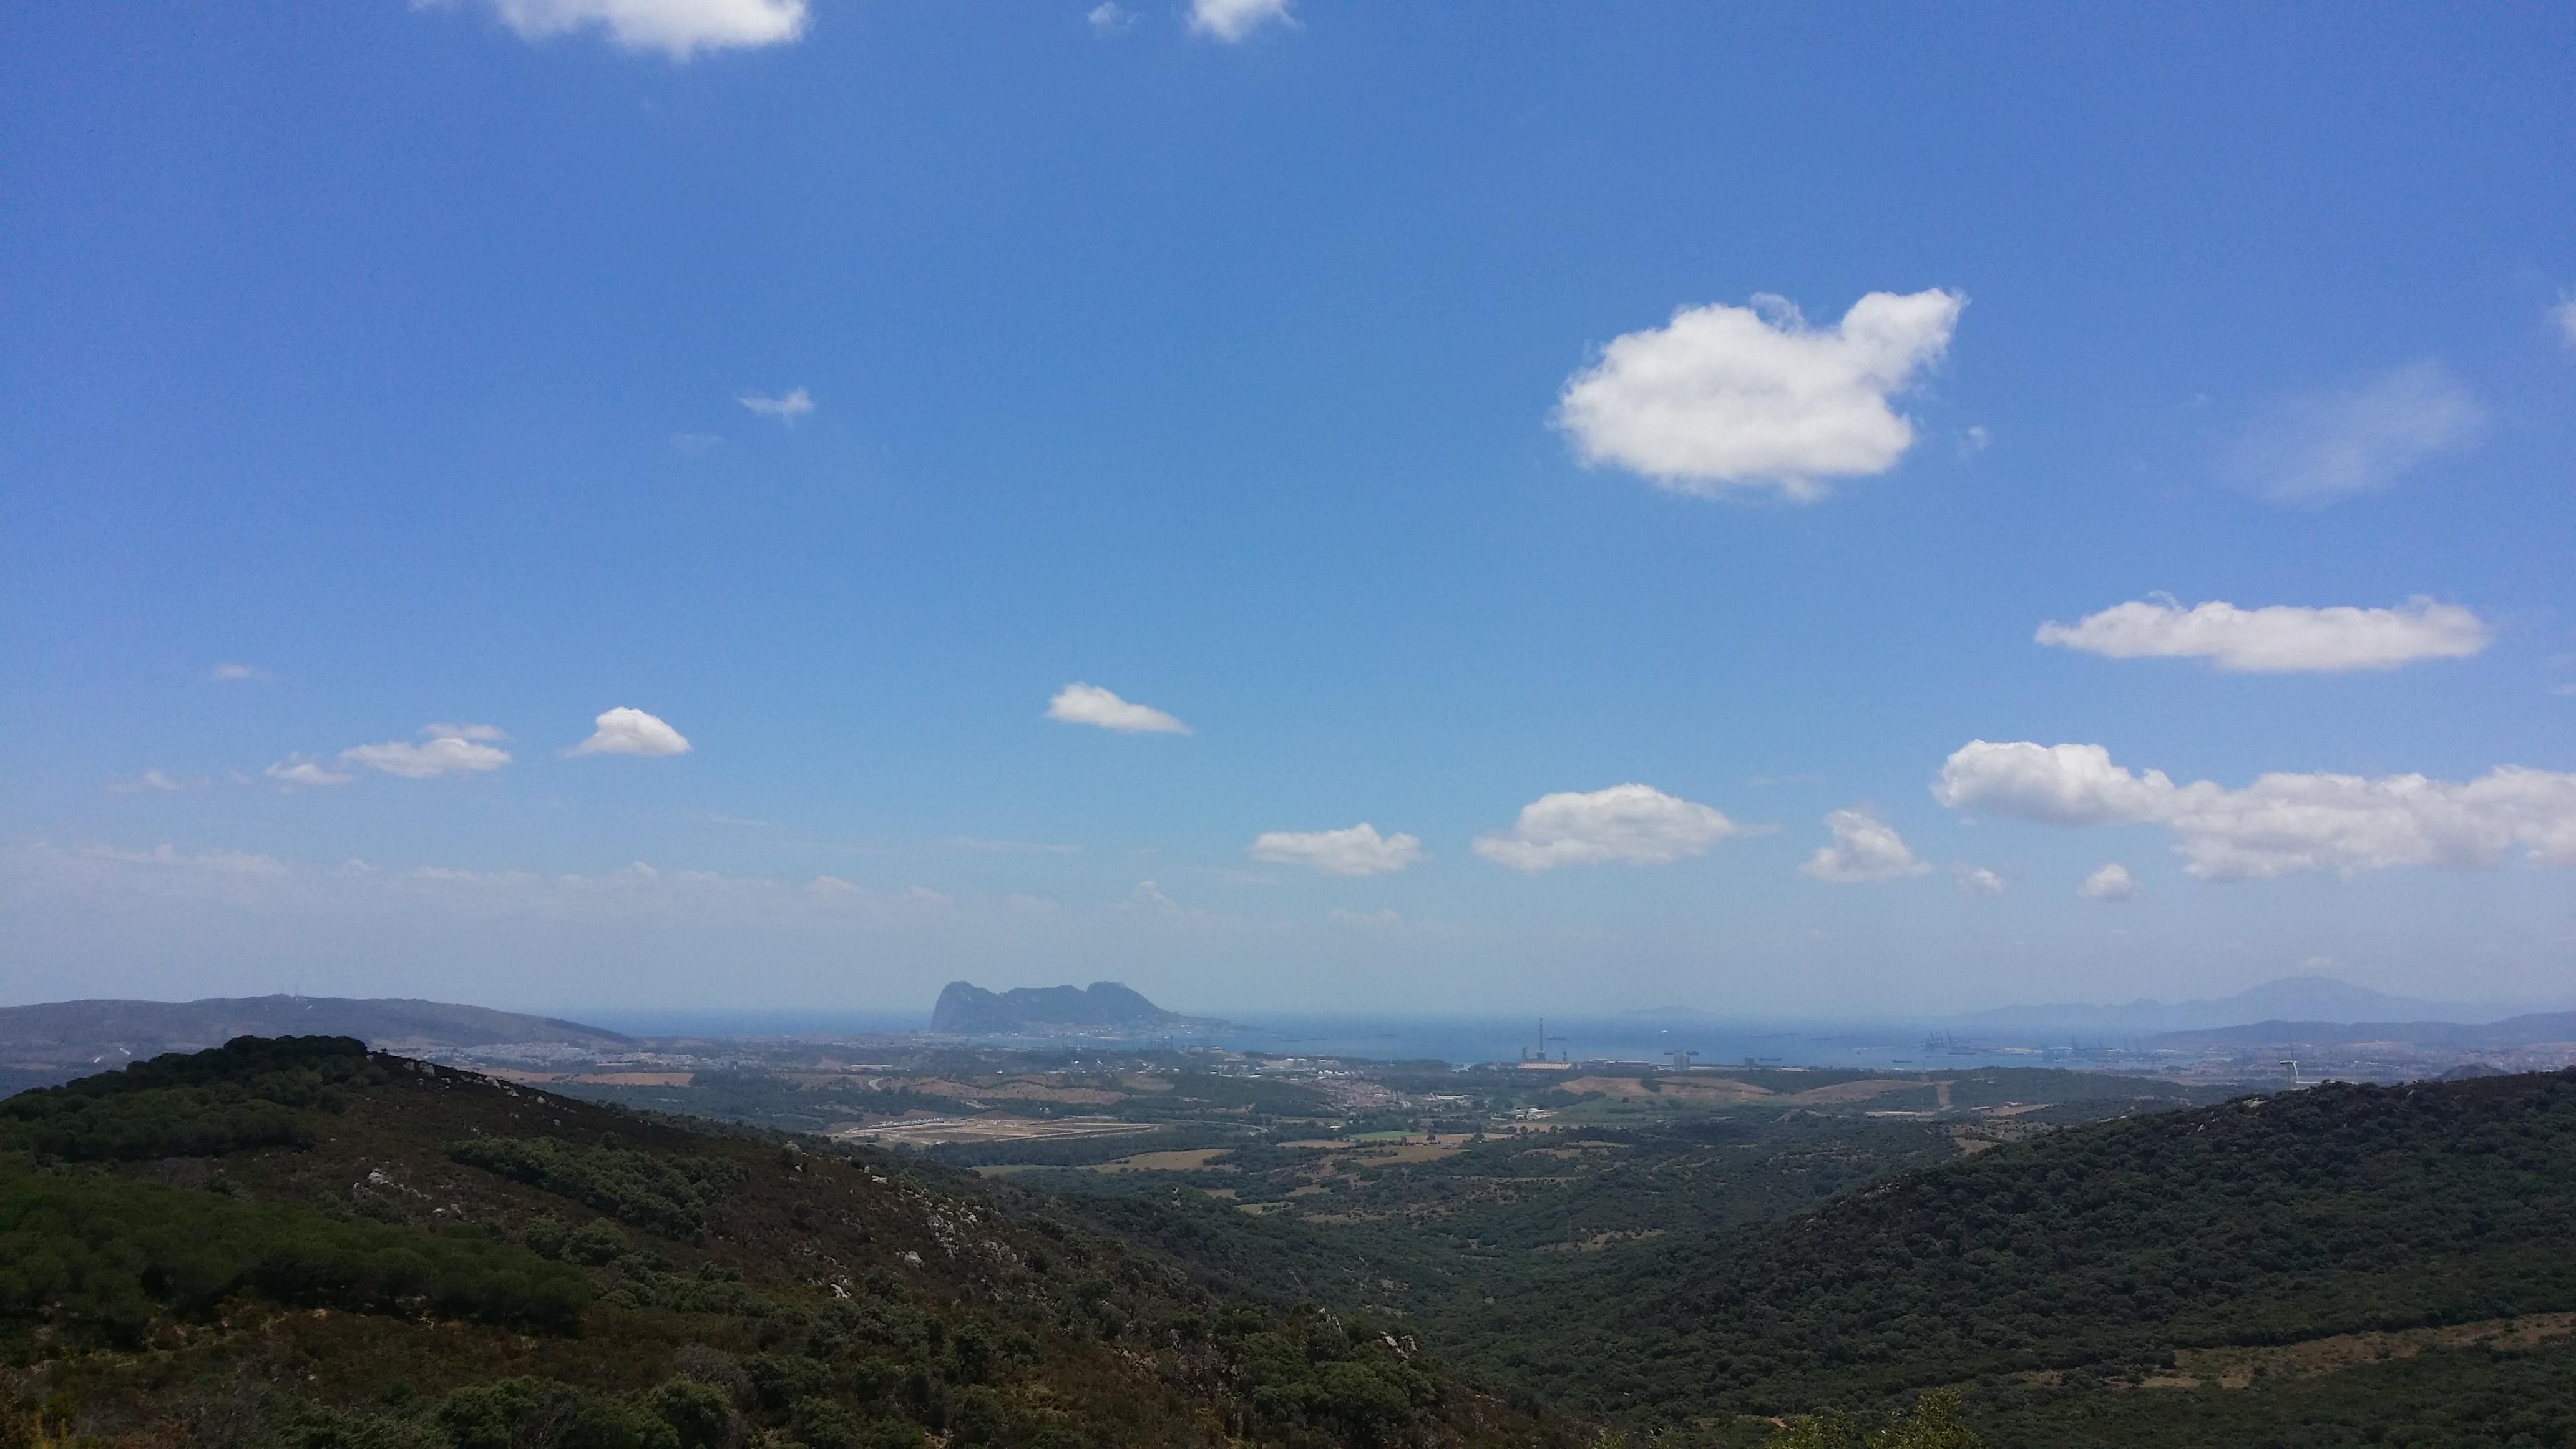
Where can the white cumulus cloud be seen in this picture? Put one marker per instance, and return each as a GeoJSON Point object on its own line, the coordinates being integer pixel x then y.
{"type": "Point", "coordinates": [1109, 17]}
{"type": "Point", "coordinates": [1726, 397]}
{"type": "Point", "coordinates": [2110, 883]}
{"type": "Point", "coordinates": [1634, 824]}
{"type": "Point", "coordinates": [677, 28]}
{"type": "Point", "coordinates": [2057, 784]}
{"type": "Point", "coordinates": [623, 731]}
{"type": "Point", "coordinates": [444, 749]}
{"type": "Point", "coordinates": [1079, 703]}
{"type": "Point", "coordinates": [1232, 20]}
{"type": "Point", "coordinates": [2325, 447]}
{"type": "Point", "coordinates": [1358, 850]}
{"type": "Point", "coordinates": [786, 408]}
{"type": "Point", "coordinates": [2282, 823]}
{"type": "Point", "coordinates": [1865, 848]}
{"type": "Point", "coordinates": [2278, 638]}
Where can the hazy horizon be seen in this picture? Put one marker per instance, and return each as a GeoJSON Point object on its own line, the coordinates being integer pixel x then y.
{"type": "Point", "coordinates": [2000, 1018]}
{"type": "Point", "coordinates": [775, 505]}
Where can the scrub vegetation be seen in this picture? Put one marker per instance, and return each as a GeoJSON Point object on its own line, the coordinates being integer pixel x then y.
{"type": "Point", "coordinates": [299, 1242]}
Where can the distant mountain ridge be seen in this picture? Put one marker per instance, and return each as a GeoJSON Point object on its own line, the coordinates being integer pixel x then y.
{"type": "Point", "coordinates": [2292, 998]}
{"type": "Point", "coordinates": [2537, 1029]}
{"type": "Point", "coordinates": [966, 1009]}
{"type": "Point", "coordinates": [109, 1033]}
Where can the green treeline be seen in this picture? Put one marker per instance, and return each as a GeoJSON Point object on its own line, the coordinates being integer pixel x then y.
{"type": "Point", "coordinates": [660, 1193]}
{"type": "Point", "coordinates": [250, 1092]}
{"type": "Point", "coordinates": [530, 1412]}
{"type": "Point", "coordinates": [105, 1253]}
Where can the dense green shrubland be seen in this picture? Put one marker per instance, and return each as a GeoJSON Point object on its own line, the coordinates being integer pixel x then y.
{"type": "Point", "coordinates": [421, 1264]}
{"type": "Point", "coordinates": [660, 1193]}
{"type": "Point", "coordinates": [251, 1092]}
{"type": "Point", "coordinates": [107, 1255]}
{"type": "Point", "coordinates": [2326, 1211]}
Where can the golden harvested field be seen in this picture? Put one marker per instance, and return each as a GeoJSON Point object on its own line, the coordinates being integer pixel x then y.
{"type": "Point", "coordinates": [1862, 1091]}
{"type": "Point", "coordinates": [935, 1131]}
{"type": "Point", "coordinates": [1688, 1089]}
{"type": "Point", "coordinates": [1188, 1160]}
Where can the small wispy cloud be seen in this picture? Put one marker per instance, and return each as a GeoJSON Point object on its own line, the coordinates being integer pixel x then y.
{"type": "Point", "coordinates": [679, 29]}
{"type": "Point", "coordinates": [786, 408]}
{"type": "Point", "coordinates": [297, 771]}
{"type": "Point", "coordinates": [2277, 638]}
{"type": "Point", "coordinates": [1865, 848]}
{"type": "Point", "coordinates": [150, 782]}
{"type": "Point", "coordinates": [1109, 17]}
{"type": "Point", "coordinates": [2324, 447]}
{"type": "Point", "coordinates": [2110, 883]}
{"type": "Point", "coordinates": [1232, 20]}
{"type": "Point", "coordinates": [2564, 317]}
{"type": "Point", "coordinates": [443, 749]}
{"type": "Point", "coordinates": [1976, 880]}
{"type": "Point", "coordinates": [1089, 704]}
{"type": "Point", "coordinates": [1356, 850]}
{"type": "Point", "coordinates": [241, 674]}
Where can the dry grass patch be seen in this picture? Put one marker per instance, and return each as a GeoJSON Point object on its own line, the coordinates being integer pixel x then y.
{"type": "Point", "coordinates": [1860, 1091]}
{"type": "Point", "coordinates": [1183, 1160]}
{"type": "Point", "coordinates": [2236, 1368]}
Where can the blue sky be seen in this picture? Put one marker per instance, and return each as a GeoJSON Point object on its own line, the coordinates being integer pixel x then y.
{"type": "Point", "coordinates": [1443, 417]}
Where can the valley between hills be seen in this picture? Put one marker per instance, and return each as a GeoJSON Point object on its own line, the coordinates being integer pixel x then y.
{"type": "Point", "coordinates": [300, 1241]}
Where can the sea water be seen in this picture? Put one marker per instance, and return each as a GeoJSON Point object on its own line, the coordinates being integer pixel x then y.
{"type": "Point", "coordinates": [1644, 1037]}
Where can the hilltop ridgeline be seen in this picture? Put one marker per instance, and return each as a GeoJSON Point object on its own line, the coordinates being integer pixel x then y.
{"type": "Point", "coordinates": [2538, 1029]}
{"type": "Point", "coordinates": [472, 1263]}
{"type": "Point", "coordinates": [108, 1033]}
{"type": "Point", "coordinates": [966, 1009]}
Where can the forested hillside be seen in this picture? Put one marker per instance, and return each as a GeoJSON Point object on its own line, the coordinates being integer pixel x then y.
{"type": "Point", "coordinates": [2304, 1269]}
{"type": "Point", "coordinates": [299, 1242]}
{"type": "Point", "coordinates": [2103, 1247]}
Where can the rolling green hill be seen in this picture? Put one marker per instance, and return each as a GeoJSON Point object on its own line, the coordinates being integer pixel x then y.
{"type": "Point", "coordinates": [2325, 1267]}
{"type": "Point", "coordinates": [2102, 1248]}
{"type": "Point", "coordinates": [299, 1242]}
